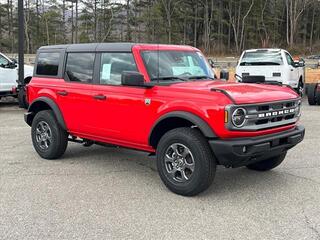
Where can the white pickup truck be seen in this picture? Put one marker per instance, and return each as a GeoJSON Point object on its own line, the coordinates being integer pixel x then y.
{"type": "Point", "coordinates": [9, 76]}
{"type": "Point", "coordinates": [275, 65]}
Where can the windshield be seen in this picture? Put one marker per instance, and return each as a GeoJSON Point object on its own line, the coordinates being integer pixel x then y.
{"type": "Point", "coordinates": [261, 58]}
{"type": "Point", "coordinates": [176, 65]}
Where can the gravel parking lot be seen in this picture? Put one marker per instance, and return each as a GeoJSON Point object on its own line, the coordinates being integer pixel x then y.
{"type": "Point", "coordinates": [112, 193]}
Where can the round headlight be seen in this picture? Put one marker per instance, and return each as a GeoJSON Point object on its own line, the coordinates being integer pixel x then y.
{"type": "Point", "coordinates": [239, 117]}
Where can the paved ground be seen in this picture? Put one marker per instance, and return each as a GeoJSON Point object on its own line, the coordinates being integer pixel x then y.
{"type": "Point", "coordinates": [109, 193]}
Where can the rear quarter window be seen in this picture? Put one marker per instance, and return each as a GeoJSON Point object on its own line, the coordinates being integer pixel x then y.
{"type": "Point", "coordinates": [48, 64]}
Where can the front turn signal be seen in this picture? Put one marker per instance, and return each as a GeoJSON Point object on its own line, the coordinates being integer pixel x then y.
{"type": "Point", "coordinates": [225, 116]}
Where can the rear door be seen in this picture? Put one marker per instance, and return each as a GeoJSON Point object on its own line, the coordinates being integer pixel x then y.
{"type": "Point", "coordinates": [75, 94]}
{"type": "Point", "coordinates": [8, 76]}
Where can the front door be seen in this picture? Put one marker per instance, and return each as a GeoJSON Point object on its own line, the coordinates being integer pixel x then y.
{"type": "Point", "coordinates": [8, 75]}
{"type": "Point", "coordinates": [119, 110]}
{"type": "Point", "coordinates": [293, 71]}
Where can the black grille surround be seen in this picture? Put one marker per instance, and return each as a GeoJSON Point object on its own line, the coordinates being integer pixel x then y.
{"type": "Point", "coordinates": [264, 116]}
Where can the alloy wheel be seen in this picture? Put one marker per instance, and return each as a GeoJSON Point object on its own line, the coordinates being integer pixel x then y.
{"type": "Point", "coordinates": [179, 162]}
{"type": "Point", "coordinates": [43, 135]}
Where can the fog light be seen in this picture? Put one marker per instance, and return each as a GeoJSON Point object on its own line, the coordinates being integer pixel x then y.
{"type": "Point", "coordinates": [244, 149]}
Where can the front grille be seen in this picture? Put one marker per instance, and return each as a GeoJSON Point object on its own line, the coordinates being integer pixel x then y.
{"type": "Point", "coordinates": [267, 115]}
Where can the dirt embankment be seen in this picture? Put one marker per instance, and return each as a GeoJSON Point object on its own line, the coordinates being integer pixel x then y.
{"type": "Point", "coordinates": [312, 75]}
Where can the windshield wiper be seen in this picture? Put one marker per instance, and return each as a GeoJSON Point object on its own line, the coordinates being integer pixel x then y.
{"type": "Point", "coordinates": [169, 78]}
{"type": "Point", "coordinates": [201, 77]}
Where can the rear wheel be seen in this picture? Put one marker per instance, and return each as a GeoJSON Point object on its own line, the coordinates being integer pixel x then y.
{"type": "Point", "coordinates": [185, 162]}
{"type": "Point", "coordinates": [312, 93]}
{"type": "Point", "coordinates": [48, 138]}
{"type": "Point", "coordinates": [268, 164]}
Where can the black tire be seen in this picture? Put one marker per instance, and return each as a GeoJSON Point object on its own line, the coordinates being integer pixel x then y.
{"type": "Point", "coordinates": [317, 93]}
{"type": "Point", "coordinates": [23, 103]}
{"type": "Point", "coordinates": [204, 163]}
{"type": "Point", "coordinates": [312, 93]}
{"type": "Point", "coordinates": [268, 164]}
{"type": "Point", "coordinates": [57, 138]}
{"type": "Point", "coordinates": [300, 89]}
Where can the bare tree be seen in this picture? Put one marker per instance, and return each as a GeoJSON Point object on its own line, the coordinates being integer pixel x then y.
{"type": "Point", "coordinates": [169, 7]}
{"type": "Point", "coordinates": [207, 22]}
{"type": "Point", "coordinates": [237, 21]}
{"type": "Point", "coordinates": [295, 9]}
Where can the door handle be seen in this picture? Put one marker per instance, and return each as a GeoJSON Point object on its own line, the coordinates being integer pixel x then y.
{"type": "Point", "coordinates": [62, 93]}
{"type": "Point", "coordinates": [100, 97]}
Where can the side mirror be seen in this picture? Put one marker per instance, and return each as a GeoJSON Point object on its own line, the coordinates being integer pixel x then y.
{"type": "Point", "coordinates": [224, 74]}
{"type": "Point", "coordinates": [130, 78]}
{"type": "Point", "coordinates": [302, 62]}
{"type": "Point", "coordinates": [8, 65]}
{"type": "Point", "coordinates": [14, 60]}
{"type": "Point", "coordinates": [296, 64]}
{"type": "Point", "coordinates": [211, 62]}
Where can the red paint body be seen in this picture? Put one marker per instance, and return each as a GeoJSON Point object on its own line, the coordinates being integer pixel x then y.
{"type": "Point", "coordinates": [124, 119]}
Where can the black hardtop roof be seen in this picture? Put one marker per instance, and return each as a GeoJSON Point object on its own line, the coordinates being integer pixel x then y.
{"type": "Point", "coordinates": [82, 47]}
{"type": "Point", "coordinates": [104, 47]}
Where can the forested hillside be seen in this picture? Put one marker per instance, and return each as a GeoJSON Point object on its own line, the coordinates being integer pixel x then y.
{"type": "Point", "coordinates": [216, 26]}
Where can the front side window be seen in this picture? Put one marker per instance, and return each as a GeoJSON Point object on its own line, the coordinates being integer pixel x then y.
{"type": "Point", "coordinates": [289, 59]}
{"type": "Point", "coordinates": [79, 67]}
{"type": "Point", "coordinates": [112, 66]}
{"type": "Point", "coordinates": [262, 57]}
{"type": "Point", "coordinates": [48, 64]}
{"type": "Point", "coordinates": [3, 61]}
{"type": "Point", "coordinates": [176, 64]}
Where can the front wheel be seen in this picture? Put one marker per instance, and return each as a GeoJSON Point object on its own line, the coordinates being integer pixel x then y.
{"type": "Point", "coordinates": [48, 138]}
{"type": "Point", "coordinates": [268, 164]}
{"type": "Point", "coordinates": [300, 89]}
{"type": "Point", "coordinates": [185, 162]}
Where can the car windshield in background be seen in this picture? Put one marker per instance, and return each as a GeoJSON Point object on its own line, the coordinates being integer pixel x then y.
{"type": "Point", "coordinates": [176, 65]}
{"type": "Point", "coordinates": [261, 58]}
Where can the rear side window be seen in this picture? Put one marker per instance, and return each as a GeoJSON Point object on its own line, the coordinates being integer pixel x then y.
{"type": "Point", "coordinates": [112, 66]}
{"type": "Point", "coordinates": [79, 67]}
{"type": "Point", "coordinates": [48, 64]}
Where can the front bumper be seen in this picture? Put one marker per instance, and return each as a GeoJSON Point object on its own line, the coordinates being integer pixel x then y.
{"type": "Point", "coordinates": [243, 151]}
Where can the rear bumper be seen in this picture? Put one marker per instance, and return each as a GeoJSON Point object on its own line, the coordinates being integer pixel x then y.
{"type": "Point", "coordinates": [243, 151]}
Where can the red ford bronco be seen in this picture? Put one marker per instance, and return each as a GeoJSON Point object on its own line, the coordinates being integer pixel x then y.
{"type": "Point", "coordinates": [162, 99]}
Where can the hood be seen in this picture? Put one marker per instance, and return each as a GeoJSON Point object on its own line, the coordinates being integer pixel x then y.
{"type": "Point", "coordinates": [242, 93]}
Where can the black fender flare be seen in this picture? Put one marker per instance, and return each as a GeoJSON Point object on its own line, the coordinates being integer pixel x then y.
{"type": "Point", "coordinates": [196, 120]}
{"type": "Point", "coordinates": [54, 107]}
